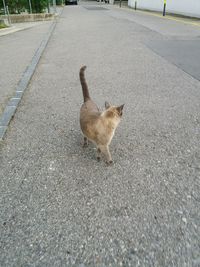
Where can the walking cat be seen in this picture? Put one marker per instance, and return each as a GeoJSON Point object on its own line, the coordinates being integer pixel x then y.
{"type": "Point", "coordinates": [98, 127]}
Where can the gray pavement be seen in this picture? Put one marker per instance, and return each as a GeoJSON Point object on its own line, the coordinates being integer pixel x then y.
{"type": "Point", "coordinates": [15, 27]}
{"type": "Point", "coordinates": [16, 55]}
{"type": "Point", "coordinates": [183, 53]}
{"type": "Point", "coordinates": [169, 26]}
{"type": "Point", "coordinates": [59, 206]}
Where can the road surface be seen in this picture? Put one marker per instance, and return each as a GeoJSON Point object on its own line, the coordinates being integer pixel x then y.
{"type": "Point", "coordinates": [59, 206]}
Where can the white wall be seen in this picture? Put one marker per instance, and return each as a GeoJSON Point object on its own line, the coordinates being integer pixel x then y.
{"type": "Point", "coordinates": [185, 7]}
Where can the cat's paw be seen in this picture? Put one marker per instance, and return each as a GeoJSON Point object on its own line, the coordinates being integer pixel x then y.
{"type": "Point", "coordinates": [98, 158]}
{"type": "Point", "coordinates": [85, 145]}
{"type": "Point", "coordinates": [109, 163]}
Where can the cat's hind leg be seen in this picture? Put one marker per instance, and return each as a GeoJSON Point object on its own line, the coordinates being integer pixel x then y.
{"type": "Point", "coordinates": [85, 142]}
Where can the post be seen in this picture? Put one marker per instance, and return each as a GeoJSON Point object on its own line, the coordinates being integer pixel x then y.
{"type": "Point", "coordinates": [164, 8]}
{"type": "Point", "coordinates": [4, 6]}
{"type": "Point", "coordinates": [48, 6]}
{"type": "Point", "coordinates": [135, 5]}
{"type": "Point", "coordinates": [30, 7]}
{"type": "Point", "coordinates": [54, 6]}
{"type": "Point", "coordinates": [9, 20]}
{"type": "Point", "coordinates": [120, 3]}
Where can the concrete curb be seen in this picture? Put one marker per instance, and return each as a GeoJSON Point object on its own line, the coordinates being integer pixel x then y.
{"type": "Point", "coordinates": [13, 103]}
{"type": "Point", "coordinates": [13, 29]}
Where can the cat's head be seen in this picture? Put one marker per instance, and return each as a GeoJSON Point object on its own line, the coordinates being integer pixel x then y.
{"type": "Point", "coordinates": [113, 111]}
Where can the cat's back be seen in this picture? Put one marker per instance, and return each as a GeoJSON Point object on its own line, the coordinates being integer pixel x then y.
{"type": "Point", "coordinates": [89, 112]}
{"type": "Point", "coordinates": [89, 108]}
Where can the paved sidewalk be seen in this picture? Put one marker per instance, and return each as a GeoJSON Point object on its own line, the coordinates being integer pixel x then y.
{"type": "Point", "coordinates": [174, 17]}
{"type": "Point", "coordinates": [58, 205]}
{"type": "Point", "coordinates": [15, 27]}
{"type": "Point", "coordinates": [18, 45]}
{"type": "Point", "coordinates": [17, 51]}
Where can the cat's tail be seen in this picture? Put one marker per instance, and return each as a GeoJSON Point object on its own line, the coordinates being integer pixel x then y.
{"type": "Point", "coordinates": [86, 95]}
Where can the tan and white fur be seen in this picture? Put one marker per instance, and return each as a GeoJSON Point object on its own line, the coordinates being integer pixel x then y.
{"type": "Point", "coordinates": [98, 127]}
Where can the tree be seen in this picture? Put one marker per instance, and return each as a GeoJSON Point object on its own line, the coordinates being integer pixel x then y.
{"type": "Point", "coordinates": [17, 6]}
{"type": "Point", "coordinates": [59, 2]}
{"type": "Point", "coordinates": [39, 6]}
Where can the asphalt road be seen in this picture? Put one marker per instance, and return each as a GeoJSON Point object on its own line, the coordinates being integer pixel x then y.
{"type": "Point", "coordinates": [59, 206]}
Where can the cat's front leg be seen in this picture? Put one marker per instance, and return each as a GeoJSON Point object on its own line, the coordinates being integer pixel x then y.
{"type": "Point", "coordinates": [105, 151]}
{"type": "Point", "coordinates": [98, 153]}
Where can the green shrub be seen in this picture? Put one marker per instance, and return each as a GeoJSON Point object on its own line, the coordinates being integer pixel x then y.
{"type": "Point", "coordinates": [18, 6]}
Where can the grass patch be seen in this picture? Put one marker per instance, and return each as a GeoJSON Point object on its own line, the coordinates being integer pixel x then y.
{"type": "Point", "coordinates": [2, 26]}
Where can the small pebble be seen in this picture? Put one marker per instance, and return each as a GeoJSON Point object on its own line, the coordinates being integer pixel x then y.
{"type": "Point", "coordinates": [184, 220]}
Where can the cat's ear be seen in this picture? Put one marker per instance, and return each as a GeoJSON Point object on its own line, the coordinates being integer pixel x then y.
{"type": "Point", "coordinates": [119, 109]}
{"type": "Point", "coordinates": [107, 105]}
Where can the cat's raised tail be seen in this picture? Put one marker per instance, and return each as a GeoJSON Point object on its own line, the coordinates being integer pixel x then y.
{"type": "Point", "coordinates": [86, 95]}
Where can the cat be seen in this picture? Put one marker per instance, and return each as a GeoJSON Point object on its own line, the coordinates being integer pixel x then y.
{"type": "Point", "coordinates": [98, 127]}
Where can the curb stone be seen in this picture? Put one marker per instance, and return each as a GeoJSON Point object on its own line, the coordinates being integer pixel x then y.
{"type": "Point", "coordinates": [13, 103]}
